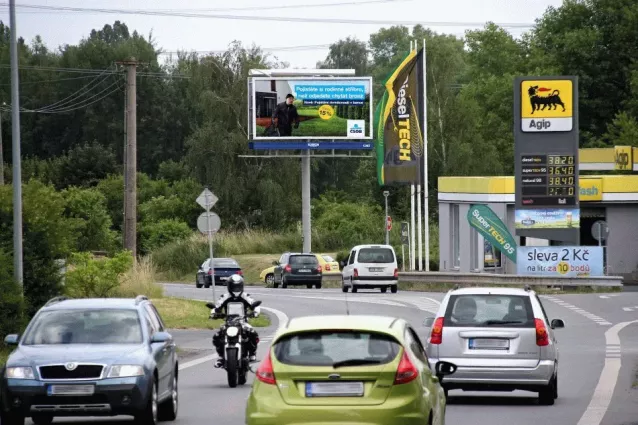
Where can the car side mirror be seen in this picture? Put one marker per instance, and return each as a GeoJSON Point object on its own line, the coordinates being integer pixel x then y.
{"type": "Point", "coordinates": [160, 337]}
{"type": "Point", "coordinates": [428, 322]}
{"type": "Point", "coordinates": [443, 369]}
{"type": "Point", "coordinates": [275, 263]}
{"type": "Point", "coordinates": [342, 264]}
{"type": "Point", "coordinates": [557, 324]}
{"type": "Point", "coordinates": [12, 339]}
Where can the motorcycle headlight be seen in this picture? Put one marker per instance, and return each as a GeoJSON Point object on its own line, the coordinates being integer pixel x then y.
{"type": "Point", "coordinates": [232, 331]}
{"type": "Point", "coordinates": [125, 371]}
{"type": "Point", "coordinates": [20, 373]}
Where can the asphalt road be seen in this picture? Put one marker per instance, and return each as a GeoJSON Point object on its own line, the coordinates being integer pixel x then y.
{"type": "Point", "coordinates": [597, 348]}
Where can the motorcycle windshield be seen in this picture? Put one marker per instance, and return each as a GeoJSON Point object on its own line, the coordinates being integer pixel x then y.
{"type": "Point", "coordinates": [235, 309]}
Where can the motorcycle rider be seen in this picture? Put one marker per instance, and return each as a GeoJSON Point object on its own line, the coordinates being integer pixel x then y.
{"type": "Point", "coordinates": [235, 293]}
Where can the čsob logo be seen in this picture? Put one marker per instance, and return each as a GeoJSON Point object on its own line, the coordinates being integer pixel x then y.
{"type": "Point", "coordinates": [588, 191]}
{"type": "Point", "coordinates": [355, 129]}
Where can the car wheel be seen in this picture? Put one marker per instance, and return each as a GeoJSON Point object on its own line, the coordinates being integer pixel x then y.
{"type": "Point", "coordinates": [353, 286]}
{"type": "Point", "coordinates": [284, 284]}
{"type": "Point", "coordinates": [148, 416]}
{"type": "Point", "coordinates": [394, 289]}
{"type": "Point", "coordinates": [546, 395]}
{"type": "Point", "coordinates": [384, 289]}
{"type": "Point", "coordinates": [168, 409]}
{"type": "Point", "coordinates": [270, 279]}
{"type": "Point", "coordinates": [556, 387]}
{"type": "Point", "coordinates": [207, 286]}
{"type": "Point", "coordinates": [198, 285]}
{"type": "Point", "coordinates": [11, 418]}
{"type": "Point", "coordinates": [318, 285]}
{"type": "Point", "coordinates": [309, 285]}
{"type": "Point", "coordinates": [344, 288]}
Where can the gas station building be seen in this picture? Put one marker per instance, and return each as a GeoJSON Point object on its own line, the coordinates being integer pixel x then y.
{"type": "Point", "coordinates": [611, 197]}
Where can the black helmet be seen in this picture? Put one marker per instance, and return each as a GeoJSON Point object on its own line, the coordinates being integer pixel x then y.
{"type": "Point", "coordinates": [235, 285]}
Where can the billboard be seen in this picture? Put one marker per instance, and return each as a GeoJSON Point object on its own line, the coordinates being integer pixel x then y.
{"type": "Point", "coordinates": [570, 261]}
{"type": "Point", "coordinates": [547, 196]}
{"type": "Point", "coordinates": [400, 124]}
{"type": "Point", "coordinates": [311, 108]}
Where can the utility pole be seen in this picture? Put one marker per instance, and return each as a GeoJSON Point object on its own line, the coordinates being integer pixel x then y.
{"type": "Point", "coordinates": [15, 139]}
{"type": "Point", "coordinates": [130, 183]}
{"type": "Point", "coordinates": [385, 221]}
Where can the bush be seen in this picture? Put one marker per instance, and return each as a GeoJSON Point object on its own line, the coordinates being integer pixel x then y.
{"type": "Point", "coordinates": [47, 235]}
{"type": "Point", "coordinates": [11, 304]}
{"type": "Point", "coordinates": [155, 235]}
{"type": "Point", "coordinates": [89, 277]}
{"type": "Point", "coordinates": [140, 280]}
{"type": "Point", "coordinates": [92, 223]}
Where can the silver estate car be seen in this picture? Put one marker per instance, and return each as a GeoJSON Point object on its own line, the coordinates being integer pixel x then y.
{"type": "Point", "coordinates": [501, 340]}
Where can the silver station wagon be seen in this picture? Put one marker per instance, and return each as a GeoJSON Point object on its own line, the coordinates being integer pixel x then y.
{"type": "Point", "coordinates": [501, 340]}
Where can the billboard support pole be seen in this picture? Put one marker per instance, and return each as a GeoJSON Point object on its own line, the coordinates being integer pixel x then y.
{"type": "Point", "coordinates": [426, 203]}
{"type": "Point", "coordinates": [305, 201]}
{"type": "Point", "coordinates": [418, 208]}
{"type": "Point", "coordinates": [412, 223]}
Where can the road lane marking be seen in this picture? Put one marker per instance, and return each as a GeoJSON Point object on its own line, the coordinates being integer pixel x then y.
{"type": "Point", "coordinates": [578, 310]}
{"type": "Point", "coordinates": [282, 319]}
{"type": "Point", "coordinates": [604, 391]}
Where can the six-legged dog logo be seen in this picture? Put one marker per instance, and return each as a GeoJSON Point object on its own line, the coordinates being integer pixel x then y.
{"type": "Point", "coordinates": [539, 103]}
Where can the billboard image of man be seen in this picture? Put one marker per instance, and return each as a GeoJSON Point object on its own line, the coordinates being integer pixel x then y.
{"type": "Point", "coordinates": [284, 115]}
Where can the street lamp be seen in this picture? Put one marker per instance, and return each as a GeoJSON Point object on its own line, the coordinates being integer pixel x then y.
{"type": "Point", "coordinates": [385, 224]}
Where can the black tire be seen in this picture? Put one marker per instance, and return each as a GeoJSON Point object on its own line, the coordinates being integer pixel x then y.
{"type": "Point", "coordinates": [384, 289]}
{"type": "Point", "coordinates": [284, 284]}
{"type": "Point", "coordinates": [275, 285]}
{"type": "Point", "coordinates": [270, 278]}
{"type": "Point", "coordinates": [309, 285]}
{"type": "Point", "coordinates": [394, 289]}
{"type": "Point", "coordinates": [42, 419]}
{"type": "Point", "coordinates": [168, 409]}
{"type": "Point", "coordinates": [11, 418]}
{"type": "Point", "coordinates": [555, 387]}
{"type": "Point", "coordinates": [148, 416]}
{"type": "Point", "coordinates": [354, 289]}
{"type": "Point", "coordinates": [232, 368]}
{"type": "Point", "coordinates": [546, 395]}
{"type": "Point", "coordinates": [344, 288]}
{"type": "Point", "coordinates": [198, 285]}
{"type": "Point", "coordinates": [318, 285]}
{"type": "Point", "coordinates": [207, 286]}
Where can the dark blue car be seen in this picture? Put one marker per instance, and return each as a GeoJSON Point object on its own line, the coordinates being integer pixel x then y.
{"type": "Point", "coordinates": [91, 357]}
{"type": "Point", "coordinates": [223, 268]}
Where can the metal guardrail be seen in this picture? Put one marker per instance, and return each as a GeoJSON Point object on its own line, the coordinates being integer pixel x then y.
{"type": "Point", "coordinates": [508, 279]}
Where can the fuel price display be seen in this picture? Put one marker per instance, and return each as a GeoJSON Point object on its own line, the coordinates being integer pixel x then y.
{"type": "Point", "coordinates": [548, 180]}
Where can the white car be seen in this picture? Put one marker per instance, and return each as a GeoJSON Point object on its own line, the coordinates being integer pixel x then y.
{"type": "Point", "coordinates": [370, 266]}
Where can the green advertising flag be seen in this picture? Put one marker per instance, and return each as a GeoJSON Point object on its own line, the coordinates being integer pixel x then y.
{"type": "Point", "coordinates": [378, 134]}
{"type": "Point", "coordinates": [487, 223]}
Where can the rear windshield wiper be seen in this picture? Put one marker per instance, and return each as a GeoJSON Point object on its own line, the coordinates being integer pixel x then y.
{"type": "Point", "coordinates": [503, 322]}
{"type": "Point", "coordinates": [355, 362]}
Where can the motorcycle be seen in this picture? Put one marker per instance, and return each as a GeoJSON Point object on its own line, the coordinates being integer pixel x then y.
{"type": "Point", "coordinates": [237, 362]}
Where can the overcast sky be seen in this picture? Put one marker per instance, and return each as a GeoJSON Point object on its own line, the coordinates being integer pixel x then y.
{"type": "Point", "coordinates": [174, 33]}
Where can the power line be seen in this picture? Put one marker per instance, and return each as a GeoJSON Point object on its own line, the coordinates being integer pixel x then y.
{"type": "Point", "coordinates": [275, 18]}
{"type": "Point", "coordinates": [80, 92]}
{"type": "Point", "coordinates": [49, 81]}
{"type": "Point", "coordinates": [249, 8]}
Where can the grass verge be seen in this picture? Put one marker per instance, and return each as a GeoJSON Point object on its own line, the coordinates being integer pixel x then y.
{"type": "Point", "coordinates": [179, 313]}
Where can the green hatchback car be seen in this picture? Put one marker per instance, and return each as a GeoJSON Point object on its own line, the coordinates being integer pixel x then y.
{"type": "Point", "coordinates": [347, 370]}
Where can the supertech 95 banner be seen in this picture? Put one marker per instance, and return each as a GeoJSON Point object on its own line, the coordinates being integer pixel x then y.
{"type": "Point", "coordinates": [312, 108]}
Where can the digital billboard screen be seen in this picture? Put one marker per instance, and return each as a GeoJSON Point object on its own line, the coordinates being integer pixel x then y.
{"type": "Point", "coordinates": [335, 108]}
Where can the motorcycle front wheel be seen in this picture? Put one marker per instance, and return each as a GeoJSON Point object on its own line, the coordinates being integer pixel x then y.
{"type": "Point", "coordinates": [232, 367]}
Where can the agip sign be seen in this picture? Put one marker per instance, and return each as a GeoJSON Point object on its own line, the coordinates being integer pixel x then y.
{"type": "Point", "coordinates": [546, 105]}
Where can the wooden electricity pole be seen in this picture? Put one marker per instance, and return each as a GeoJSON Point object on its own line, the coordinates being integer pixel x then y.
{"type": "Point", "coordinates": [130, 157]}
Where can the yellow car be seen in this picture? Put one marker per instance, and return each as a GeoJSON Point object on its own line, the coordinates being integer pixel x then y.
{"type": "Point", "coordinates": [328, 266]}
{"type": "Point", "coordinates": [347, 370]}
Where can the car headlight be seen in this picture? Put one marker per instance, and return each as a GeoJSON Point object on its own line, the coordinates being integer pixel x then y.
{"type": "Point", "coordinates": [20, 373]}
{"type": "Point", "coordinates": [232, 331]}
{"type": "Point", "coordinates": [125, 371]}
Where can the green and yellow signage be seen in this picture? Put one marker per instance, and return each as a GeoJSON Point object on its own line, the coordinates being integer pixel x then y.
{"type": "Point", "coordinates": [487, 223]}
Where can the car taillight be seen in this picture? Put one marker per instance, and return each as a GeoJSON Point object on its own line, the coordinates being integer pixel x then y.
{"type": "Point", "coordinates": [396, 272]}
{"type": "Point", "coordinates": [265, 372]}
{"type": "Point", "coordinates": [436, 336]}
{"type": "Point", "coordinates": [210, 272]}
{"type": "Point", "coordinates": [327, 267]}
{"type": "Point", "coordinates": [287, 268]}
{"type": "Point", "coordinates": [542, 338]}
{"type": "Point", "coordinates": [240, 273]}
{"type": "Point", "coordinates": [319, 269]}
{"type": "Point", "coordinates": [406, 371]}
{"type": "Point", "coordinates": [356, 273]}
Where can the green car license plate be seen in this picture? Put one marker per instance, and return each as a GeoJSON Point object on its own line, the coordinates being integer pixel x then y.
{"type": "Point", "coordinates": [334, 389]}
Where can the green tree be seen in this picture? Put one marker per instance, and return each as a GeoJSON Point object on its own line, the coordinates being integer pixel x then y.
{"type": "Point", "coordinates": [92, 223]}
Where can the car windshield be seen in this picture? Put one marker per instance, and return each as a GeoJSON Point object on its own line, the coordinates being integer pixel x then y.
{"type": "Point", "coordinates": [303, 260]}
{"type": "Point", "coordinates": [225, 262]}
{"type": "Point", "coordinates": [94, 326]}
{"type": "Point", "coordinates": [333, 347]}
{"type": "Point", "coordinates": [376, 255]}
{"type": "Point", "coordinates": [489, 310]}
{"type": "Point", "coordinates": [328, 258]}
